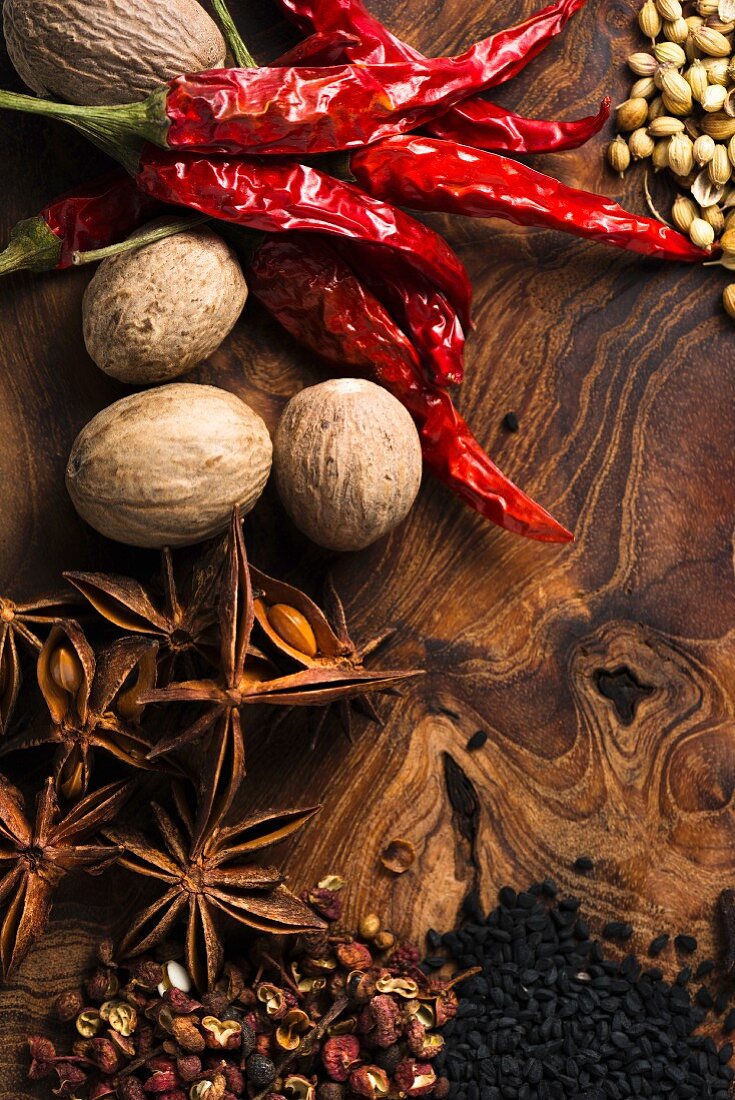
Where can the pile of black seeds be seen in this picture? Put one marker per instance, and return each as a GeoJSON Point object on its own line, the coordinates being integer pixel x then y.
{"type": "Point", "coordinates": [551, 1017]}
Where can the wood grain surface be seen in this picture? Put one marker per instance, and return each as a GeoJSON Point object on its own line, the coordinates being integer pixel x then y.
{"type": "Point", "coordinates": [603, 672]}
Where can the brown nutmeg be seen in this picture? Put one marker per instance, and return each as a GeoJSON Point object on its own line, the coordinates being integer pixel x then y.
{"type": "Point", "coordinates": [348, 462]}
{"type": "Point", "coordinates": [137, 330]}
{"type": "Point", "coordinates": [100, 51]}
{"type": "Point", "coordinates": [166, 466]}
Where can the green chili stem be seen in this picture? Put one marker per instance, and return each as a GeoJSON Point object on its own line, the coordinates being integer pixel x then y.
{"type": "Point", "coordinates": [33, 246]}
{"type": "Point", "coordinates": [238, 49]}
{"type": "Point", "coordinates": [112, 126]}
{"type": "Point", "coordinates": [134, 243]}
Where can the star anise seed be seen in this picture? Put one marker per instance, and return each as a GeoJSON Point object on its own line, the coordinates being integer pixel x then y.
{"type": "Point", "coordinates": [93, 701]}
{"type": "Point", "coordinates": [19, 621]}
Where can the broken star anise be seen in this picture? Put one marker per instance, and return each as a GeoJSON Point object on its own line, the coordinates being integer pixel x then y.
{"type": "Point", "coordinates": [19, 621]}
{"type": "Point", "coordinates": [93, 702]}
{"type": "Point", "coordinates": [35, 856]}
{"type": "Point", "coordinates": [183, 623]}
{"type": "Point", "coordinates": [215, 876]}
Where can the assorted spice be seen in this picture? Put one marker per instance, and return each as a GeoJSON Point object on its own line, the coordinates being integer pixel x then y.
{"type": "Point", "coordinates": [324, 1016]}
{"type": "Point", "coordinates": [240, 638]}
{"type": "Point", "coordinates": [680, 116]}
{"type": "Point", "coordinates": [227, 143]}
{"type": "Point", "coordinates": [538, 1012]}
{"type": "Point", "coordinates": [308, 1010]}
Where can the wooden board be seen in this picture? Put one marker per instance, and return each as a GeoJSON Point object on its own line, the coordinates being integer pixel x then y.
{"type": "Point", "coordinates": [602, 672]}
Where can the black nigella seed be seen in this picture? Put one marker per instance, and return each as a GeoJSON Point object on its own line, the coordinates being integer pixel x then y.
{"type": "Point", "coordinates": [617, 930]}
{"type": "Point", "coordinates": [704, 969]}
{"type": "Point", "coordinates": [510, 421]}
{"type": "Point", "coordinates": [477, 740]}
{"type": "Point", "coordinates": [552, 1018]}
{"type": "Point", "coordinates": [657, 945]}
{"type": "Point", "coordinates": [686, 944]}
{"type": "Point", "coordinates": [583, 864]}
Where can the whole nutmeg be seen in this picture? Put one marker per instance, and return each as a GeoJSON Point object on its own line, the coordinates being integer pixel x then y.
{"type": "Point", "coordinates": [165, 467]}
{"type": "Point", "coordinates": [348, 462]}
{"type": "Point", "coordinates": [139, 328]}
{"type": "Point", "coordinates": [98, 51]}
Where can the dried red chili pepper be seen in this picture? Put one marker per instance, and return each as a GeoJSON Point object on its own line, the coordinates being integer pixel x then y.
{"type": "Point", "coordinates": [484, 125]}
{"type": "Point", "coordinates": [94, 215]}
{"type": "Point", "coordinates": [320, 48]}
{"type": "Point", "coordinates": [421, 311]}
{"type": "Point", "coordinates": [474, 121]}
{"type": "Point", "coordinates": [310, 289]}
{"type": "Point", "coordinates": [301, 110]}
{"type": "Point", "coordinates": [276, 196]}
{"type": "Point", "coordinates": [429, 174]}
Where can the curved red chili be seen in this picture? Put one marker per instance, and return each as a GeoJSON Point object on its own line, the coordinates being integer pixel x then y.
{"type": "Point", "coordinates": [93, 215]}
{"type": "Point", "coordinates": [276, 196]}
{"type": "Point", "coordinates": [474, 121]}
{"type": "Point", "coordinates": [484, 125]}
{"type": "Point", "coordinates": [429, 174]}
{"type": "Point", "coordinates": [319, 300]}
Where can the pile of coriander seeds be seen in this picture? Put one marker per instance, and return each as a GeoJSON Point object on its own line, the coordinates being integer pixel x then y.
{"type": "Point", "coordinates": [680, 115]}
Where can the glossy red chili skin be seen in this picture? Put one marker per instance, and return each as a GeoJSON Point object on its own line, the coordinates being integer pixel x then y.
{"type": "Point", "coordinates": [310, 110]}
{"type": "Point", "coordinates": [320, 48]}
{"type": "Point", "coordinates": [484, 125]}
{"type": "Point", "coordinates": [474, 121]}
{"type": "Point", "coordinates": [429, 174]}
{"type": "Point", "coordinates": [97, 214]}
{"type": "Point", "coordinates": [278, 196]}
{"type": "Point", "coordinates": [420, 310]}
{"type": "Point", "coordinates": [309, 288]}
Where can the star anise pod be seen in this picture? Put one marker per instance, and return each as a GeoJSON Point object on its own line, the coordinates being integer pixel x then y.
{"type": "Point", "coordinates": [35, 856]}
{"type": "Point", "coordinates": [19, 621]}
{"type": "Point", "coordinates": [214, 876]}
{"type": "Point", "coordinates": [246, 677]}
{"type": "Point", "coordinates": [93, 701]}
{"type": "Point", "coordinates": [182, 623]}
{"type": "Point", "coordinates": [321, 645]}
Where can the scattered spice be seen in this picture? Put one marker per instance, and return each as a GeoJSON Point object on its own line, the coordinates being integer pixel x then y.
{"type": "Point", "coordinates": [324, 1015]}
{"type": "Point", "coordinates": [583, 864]}
{"type": "Point", "coordinates": [246, 675]}
{"type": "Point", "coordinates": [685, 107]}
{"type": "Point", "coordinates": [19, 622]}
{"type": "Point", "coordinates": [510, 422]}
{"type": "Point", "coordinates": [550, 1016]}
{"type": "Point", "coordinates": [686, 944]}
{"type": "Point", "coordinates": [398, 856]}
{"type": "Point", "coordinates": [478, 739]}
{"type": "Point", "coordinates": [658, 944]}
